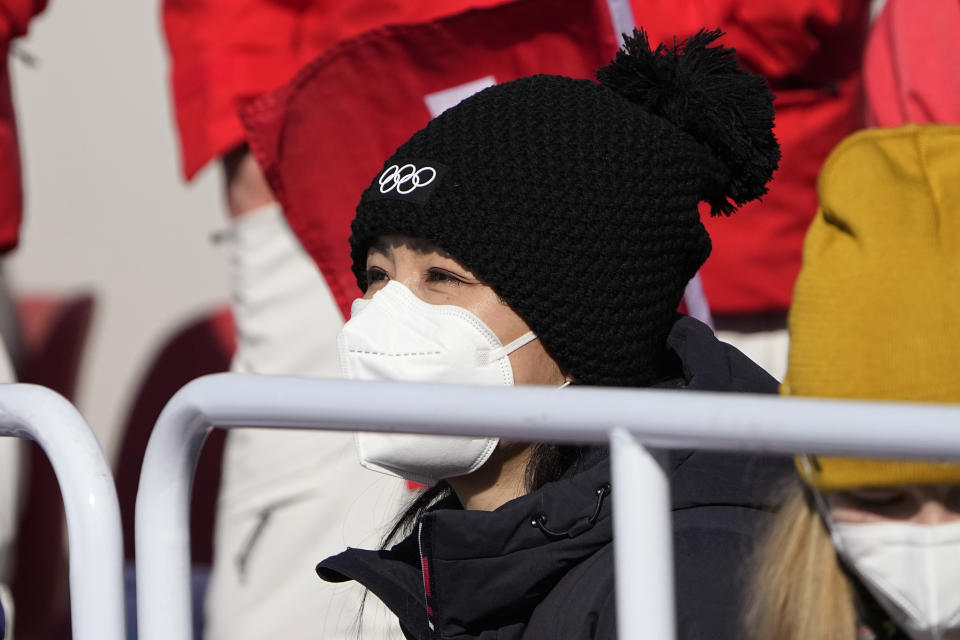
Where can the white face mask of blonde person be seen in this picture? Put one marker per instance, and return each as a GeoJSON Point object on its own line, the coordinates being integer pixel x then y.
{"type": "Point", "coordinates": [913, 570]}
{"type": "Point", "coordinates": [397, 336]}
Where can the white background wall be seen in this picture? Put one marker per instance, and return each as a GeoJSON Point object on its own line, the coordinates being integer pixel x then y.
{"type": "Point", "coordinates": [106, 209]}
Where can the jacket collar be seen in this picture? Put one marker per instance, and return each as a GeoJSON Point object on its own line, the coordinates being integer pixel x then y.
{"type": "Point", "coordinates": [704, 363]}
{"type": "Point", "coordinates": [487, 570]}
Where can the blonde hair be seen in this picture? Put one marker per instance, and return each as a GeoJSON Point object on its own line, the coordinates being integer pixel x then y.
{"type": "Point", "coordinates": [797, 589]}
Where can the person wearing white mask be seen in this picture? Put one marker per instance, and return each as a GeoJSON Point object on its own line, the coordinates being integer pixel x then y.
{"type": "Point", "coordinates": [542, 232]}
{"type": "Point", "coordinates": [868, 549]}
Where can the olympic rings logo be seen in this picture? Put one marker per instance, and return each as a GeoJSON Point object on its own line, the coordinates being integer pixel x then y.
{"type": "Point", "coordinates": [406, 179]}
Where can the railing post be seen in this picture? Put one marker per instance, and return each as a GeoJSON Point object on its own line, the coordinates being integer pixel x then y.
{"type": "Point", "coordinates": [162, 530]}
{"type": "Point", "coordinates": [642, 541]}
{"type": "Point", "coordinates": [89, 499]}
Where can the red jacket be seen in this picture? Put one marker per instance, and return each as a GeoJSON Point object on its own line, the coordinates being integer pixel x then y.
{"type": "Point", "coordinates": [223, 52]}
{"type": "Point", "coordinates": [810, 53]}
{"type": "Point", "coordinates": [15, 17]}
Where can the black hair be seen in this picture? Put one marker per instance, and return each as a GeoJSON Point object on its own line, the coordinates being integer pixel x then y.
{"type": "Point", "coordinates": [547, 463]}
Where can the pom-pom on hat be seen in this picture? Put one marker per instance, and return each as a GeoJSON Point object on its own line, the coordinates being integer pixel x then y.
{"type": "Point", "coordinates": [577, 202]}
{"type": "Point", "coordinates": [876, 309]}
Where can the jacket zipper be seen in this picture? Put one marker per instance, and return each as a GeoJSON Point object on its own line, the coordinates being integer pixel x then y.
{"type": "Point", "coordinates": [425, 573]}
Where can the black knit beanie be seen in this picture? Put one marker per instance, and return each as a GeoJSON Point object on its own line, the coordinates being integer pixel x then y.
{"type": "Point", "coordinates": [577, 202]}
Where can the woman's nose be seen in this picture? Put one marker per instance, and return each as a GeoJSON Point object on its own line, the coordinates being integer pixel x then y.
{"type": "Point", "coordinates": [412, 279]}
{"type": "Point", "coordinates": [934, 511]}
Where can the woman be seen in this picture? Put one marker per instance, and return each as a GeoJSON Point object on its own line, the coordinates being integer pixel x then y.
{"type": "Point", "coordinates": [870, 549]}
{"type": "Point", "coordinates": [542, 232]}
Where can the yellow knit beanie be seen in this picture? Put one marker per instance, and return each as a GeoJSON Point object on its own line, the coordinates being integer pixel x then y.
{"type": "Point", "coordinates": [876, 309]}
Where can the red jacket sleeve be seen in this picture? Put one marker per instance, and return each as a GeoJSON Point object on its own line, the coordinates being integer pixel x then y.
{"type": "Point", "coordinates": [15, 17]}
{"type": "Point", "coordinates": [223, 52]}
{"type": "Point", "coordinates": [782, 40]}
{"type": "Point", "coordinates": [910, 63]}
{"type": "Point", "coordinates": [778, 40]}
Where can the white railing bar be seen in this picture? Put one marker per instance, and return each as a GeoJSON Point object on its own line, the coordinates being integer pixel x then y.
{"type": "Point", "coordinates": [89, 499]}
{"type": "Point", "coordinates": [657, 418]}
{"type": "Point", "coordinates": [574, 414]}
{"type": "Point", "coordinates": [642, 541]}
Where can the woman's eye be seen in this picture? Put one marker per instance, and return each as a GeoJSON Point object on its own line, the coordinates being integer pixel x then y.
{"type": "Point", "coordinates": [878, 498]}
{"type": "Point", "coordinates": [376, 275]}
{"type": "Point", "coordinates": [440, 275]}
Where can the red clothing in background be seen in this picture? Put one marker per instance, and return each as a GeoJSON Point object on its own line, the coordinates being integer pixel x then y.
{"type": "Point", "coordinates": [15, 17]}
{"type": "Point", "coordinates": [810, 53]}
{"type": "Point", "coordinates": [322, 138]}
{"type": "Point", "coordinates": [910, 65]}
{"type": "Point", "coordinates": [225, 51]}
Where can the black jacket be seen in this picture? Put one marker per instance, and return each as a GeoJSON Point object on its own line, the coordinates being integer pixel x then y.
{"type": "Point", "coordinates": [496, 575]}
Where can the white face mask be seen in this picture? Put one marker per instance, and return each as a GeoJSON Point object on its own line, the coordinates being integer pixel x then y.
{"type": "Point", "coordinates": [397, 336]}
{"type": "Point", "coordinates": [912, 570]}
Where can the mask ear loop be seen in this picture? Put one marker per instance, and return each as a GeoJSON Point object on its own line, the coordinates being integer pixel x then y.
{"type": "Point", "coordinates": [821, 503]}
{"type": "Point", "coordinates": [486, 357]}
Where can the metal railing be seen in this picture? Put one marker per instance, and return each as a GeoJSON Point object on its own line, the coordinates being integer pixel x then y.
{"type": "Point", "coordinates": [628, 419]}
{"type": "Point", "coordinates": [89, 499]}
